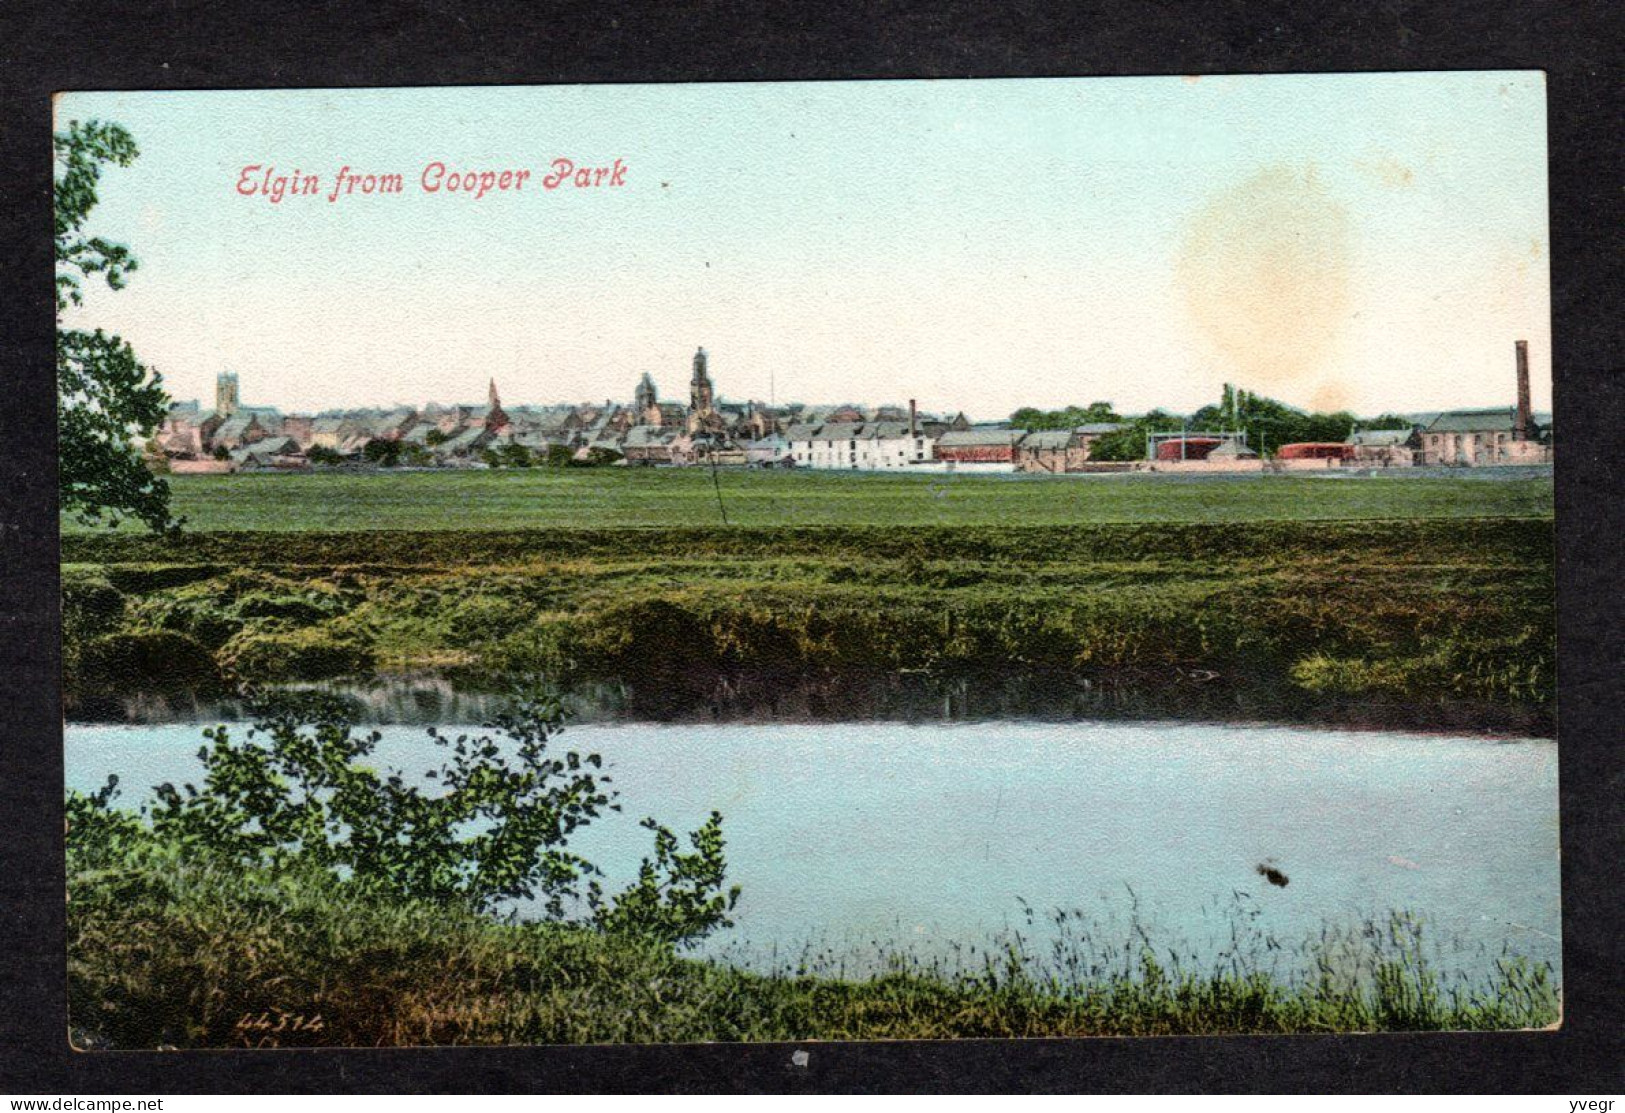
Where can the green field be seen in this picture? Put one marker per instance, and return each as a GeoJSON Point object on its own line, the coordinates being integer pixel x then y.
{"type": "Point", "coordinates": [643, 498]}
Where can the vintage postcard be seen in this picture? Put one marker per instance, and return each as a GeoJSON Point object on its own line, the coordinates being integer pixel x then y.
{"type": "Point", "coordinates": [807, 561]}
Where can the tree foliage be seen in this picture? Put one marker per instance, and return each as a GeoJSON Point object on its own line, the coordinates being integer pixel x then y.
{"type": "Point", "coordinates": [1128, 442]}
{"type": "Point", "coordinates": [383, 452]}
{"type": "Point", "coordinates": [1267, 423]}
{"type": "Point", "coordinates": [1034, 419]}
{"type": "Point", "coordinates": [508, 454]}
{"type": "Point", "coordinates": [107, 400]}
{"type": "Point", "coordinates": [490, 824]}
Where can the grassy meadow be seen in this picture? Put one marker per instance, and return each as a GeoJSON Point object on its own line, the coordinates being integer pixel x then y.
{"type": "Point", "coordinates": [606, 498]}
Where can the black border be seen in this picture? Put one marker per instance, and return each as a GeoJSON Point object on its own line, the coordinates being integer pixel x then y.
{"type": "Point", "coordinates": [201, 44]}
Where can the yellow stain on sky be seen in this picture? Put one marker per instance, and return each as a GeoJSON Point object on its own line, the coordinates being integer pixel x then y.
{"type": "Point", "coordinates": [1263, 270]}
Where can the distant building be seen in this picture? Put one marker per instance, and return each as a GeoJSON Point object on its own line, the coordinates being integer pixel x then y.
{"type": "Point", "coordinates": [1093, 431]}
{"type": "Point", "coordinates": [1385, 448]}
{"type": "Point", "coordinates": [858, 445]}
{"type": "Point", "coordinates": [225, 393]}
{"type": "Point", "coordinates": [1476, 437]}
{"type": "Point", "coordinates": [1494, 436]}
{"type": "Point", "coordinates": [494, 419]}
{"type": "Point", "coordinates": [644, 398]}
{"type": "Point", "coordinates": [649, 444]}
{"type": "Point", "coordinates": [236, 431]}
{"type": "Point", "coordinates": [767, 452]}
{"type": "Point", "coordinates": [979, 449]}
{"type": "Point", "coordinates": [464, 448]}
{"type": "Point", "coordinates": [702, 409]}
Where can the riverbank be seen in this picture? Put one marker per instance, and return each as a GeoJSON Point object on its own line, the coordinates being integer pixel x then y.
{"type": "Point", "coordinates": [185, 956]}
{"type": "Point", "coordinates": [1449, 617]}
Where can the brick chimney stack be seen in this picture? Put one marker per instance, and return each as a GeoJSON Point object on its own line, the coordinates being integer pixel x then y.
{"type": "Point", "coordinates": [1524, 426]}
{"type": "Point", "coordinates": [913, 419]}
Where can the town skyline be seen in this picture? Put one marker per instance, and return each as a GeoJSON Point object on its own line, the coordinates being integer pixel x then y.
{"type": "Point", "coordinates": [255, 400]}
{"type": "Point", "coordinates": [1366, 241]}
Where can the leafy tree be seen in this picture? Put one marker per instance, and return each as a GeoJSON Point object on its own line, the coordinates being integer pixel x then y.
{"type": "Point", "coordinates": [436, 437]}
{"type": "Point", "coordinates": [107, 400]}
{"type": "Point", "coordinates": [1071, 417]}
{"type": "Point", "coordinates": [383, 452]}
{"type": "Point", "coordinates": [508, 455]}
{"type": "Point", "coordinates": [597, 457]}
{"type": "Point", "coordinates": [1128, 443]}
{"type": "Point", "coordinates": [493, 825]}
{"type": "Point", "coordinates": [321, 454]}
{"type": "Point", "coordinates": [558, 456]}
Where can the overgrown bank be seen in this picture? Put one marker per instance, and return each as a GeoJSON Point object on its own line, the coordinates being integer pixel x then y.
{"type": "Point", "coordinates": [193, 957]}
{"type": "Point", "coordinates": [1405, 611]}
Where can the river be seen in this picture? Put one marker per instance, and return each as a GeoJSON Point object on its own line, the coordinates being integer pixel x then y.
{"type": "Point", "coordinates": [852, 838]}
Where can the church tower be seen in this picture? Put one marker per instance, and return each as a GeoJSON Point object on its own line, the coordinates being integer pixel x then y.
{"type": "Point", "coordinates": [702, 409]}
{"type": "Point", "coordinates": [225, 393]}
{"type": "Point", "coordinates": [644, 399]}
{"type": "Point", "coordinates": [700, 391]}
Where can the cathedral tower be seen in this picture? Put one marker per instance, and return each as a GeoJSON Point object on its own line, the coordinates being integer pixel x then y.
{"type": "Point", "coordinates": [225, 393]}
{"type": "Point", "coordinates": [700, 398]}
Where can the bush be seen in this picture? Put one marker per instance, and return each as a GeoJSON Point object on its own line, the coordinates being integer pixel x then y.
{"type": "Point", "coordinates": [154, 661]}
{"type": "Point", "coordinates": [306, 654]}
{"type": "Point", "coordinates": [305, 607]}
{"type": "Point", "coordinates": [297, 794]}
{"type": "Point", "coordinates": [91, 605]}
{"type": "Point", "coordinates": [203, 619]}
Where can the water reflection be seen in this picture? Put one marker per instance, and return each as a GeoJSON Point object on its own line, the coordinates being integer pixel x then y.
{"type": "Point", "coordinates": [856, 696]}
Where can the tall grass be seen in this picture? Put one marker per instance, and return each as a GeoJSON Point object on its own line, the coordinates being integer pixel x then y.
{"type": "Point", "coordinates": [167, 952]}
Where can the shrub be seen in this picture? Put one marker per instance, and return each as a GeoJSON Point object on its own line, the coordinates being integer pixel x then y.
{"type": "Point", "coordinates": [304, 607]}
{"type": "Point", "coordinates": [91, 605]}
{"type": "Point", "coordinates": [156, 661]}
{"type": "Point", "coordinates": [203, 619]}
{"type": "Point", "coordinates": [297, 794]}
{"type": "Point", "coordinates": [677, 898]}
{"type": "Point", "coordinates": [308, 654]}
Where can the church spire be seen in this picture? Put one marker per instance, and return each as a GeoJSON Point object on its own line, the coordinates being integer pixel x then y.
{"type": "Point", "coordinates": [496, 419]}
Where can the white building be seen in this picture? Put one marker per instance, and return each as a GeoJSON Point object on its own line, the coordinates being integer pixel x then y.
{"type": "Point", "coordinates": [859, 445]}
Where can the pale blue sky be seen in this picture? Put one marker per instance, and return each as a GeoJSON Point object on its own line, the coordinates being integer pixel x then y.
{"type": "Point", "coordinates": [1377, 241]}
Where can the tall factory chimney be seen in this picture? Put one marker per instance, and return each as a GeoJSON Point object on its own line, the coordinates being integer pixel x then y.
{"type": "Point", "coordinates": [913, 419]}
{"type": "Point", "coordinates": [1524, 425]}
